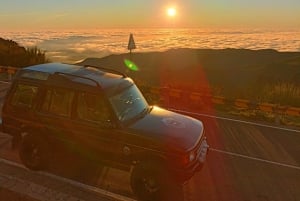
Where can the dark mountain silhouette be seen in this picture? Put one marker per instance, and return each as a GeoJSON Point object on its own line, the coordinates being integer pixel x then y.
{"type": "Point", "coordinates": [227, 67]}
{"type": "Point", "coordinates": [234, 73]}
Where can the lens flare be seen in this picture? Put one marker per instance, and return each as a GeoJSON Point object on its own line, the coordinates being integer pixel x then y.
{"type": "Point", "coordinates": [132, 66]}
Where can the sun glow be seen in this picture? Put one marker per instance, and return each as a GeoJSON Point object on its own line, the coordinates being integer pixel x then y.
{"type": "Point", "coordinates": [171, 12]}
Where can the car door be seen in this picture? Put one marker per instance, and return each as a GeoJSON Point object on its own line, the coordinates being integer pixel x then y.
{"type": "Point", "coordinates": [54, 113]}
{"type": "Point", "coordinates": [94, 127]}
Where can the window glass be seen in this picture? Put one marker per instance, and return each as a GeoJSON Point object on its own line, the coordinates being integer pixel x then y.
{"type": "Point", "coordinates": [129, 103]}
{"type": "Point", "coordinates": [92, 108]}
{"type": "Point", "coordinates": [35, 75]}
{"type": "Point", "coordinates": [58, 101]}
{"type": "Point", "coordinates": [24, 95]}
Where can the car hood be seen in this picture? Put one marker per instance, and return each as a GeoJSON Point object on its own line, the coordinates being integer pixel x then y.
{"type": "Point", "coordinates": [171, 130]}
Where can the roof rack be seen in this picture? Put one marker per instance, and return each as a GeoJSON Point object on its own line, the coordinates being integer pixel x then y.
{"type": "Point", "coordinates": [78, 76]}
{"type": "Point", "coordinates": [107, 70]}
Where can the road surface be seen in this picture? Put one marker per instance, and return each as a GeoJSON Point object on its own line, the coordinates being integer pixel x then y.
{"type": "Point", "coordinates": [247, 162]}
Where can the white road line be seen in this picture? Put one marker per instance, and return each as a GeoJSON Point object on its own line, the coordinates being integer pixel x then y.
{"type": "Point", "coordinates": [72, 182]}
{"type": "Point", "coordinates": [256, 159]}
{"type": "Point", "coordinates": [236, 120]}
{"type": "Point", "coordinates": [12, 163]}
{"type": "Point", "coordinates": [5, 82]}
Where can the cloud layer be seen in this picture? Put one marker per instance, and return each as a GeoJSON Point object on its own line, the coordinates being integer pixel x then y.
{"type": "Point", "coordinates": [72, 46]}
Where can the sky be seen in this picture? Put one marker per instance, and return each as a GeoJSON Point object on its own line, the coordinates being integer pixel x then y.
{"type": "Point", "coordinates": [97, 14]}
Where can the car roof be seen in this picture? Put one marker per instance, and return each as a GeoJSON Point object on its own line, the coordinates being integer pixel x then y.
{"type": "Point", "coordinates": [91, 76]}
{"type": "Point", "coordinates": [52, 68]}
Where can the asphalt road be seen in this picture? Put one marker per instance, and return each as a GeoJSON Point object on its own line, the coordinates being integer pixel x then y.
{"type": "Point", "coordinates": [247, 162]}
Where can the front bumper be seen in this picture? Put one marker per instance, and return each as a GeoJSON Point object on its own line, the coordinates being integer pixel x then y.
{"type": "Point", "coordinates": [185, 174]}
{"type": "Point", "coordinates": [202, 151]}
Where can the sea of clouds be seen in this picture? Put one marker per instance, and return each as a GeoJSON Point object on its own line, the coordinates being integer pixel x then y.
{"type": "Point", "coordinates": [73, 46]}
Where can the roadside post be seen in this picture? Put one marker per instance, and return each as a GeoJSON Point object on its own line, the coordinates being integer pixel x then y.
{"type": "Point", "coordinates": [131, 66]}
{"type": "Point", "coordinates": [131, 44]}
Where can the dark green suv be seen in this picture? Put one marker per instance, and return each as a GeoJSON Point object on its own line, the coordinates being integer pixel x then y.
{"type": "Point", "coordinates": [101, 114]}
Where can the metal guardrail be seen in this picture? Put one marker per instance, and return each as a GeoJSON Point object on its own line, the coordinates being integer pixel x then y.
{"type": "Point", "coordinates": [197, 98]}
{"type": "Point", "coordinates": [201, 99]}
{"type": "Point", "coordinates": [10, 71]}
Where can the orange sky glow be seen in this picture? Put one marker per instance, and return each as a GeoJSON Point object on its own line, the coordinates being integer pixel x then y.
{"type": "Point", "coordinates": [97, 14]}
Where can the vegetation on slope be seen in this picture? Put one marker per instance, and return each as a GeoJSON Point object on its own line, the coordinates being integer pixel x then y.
{"type": "Point", "coordinates": [12, 54]}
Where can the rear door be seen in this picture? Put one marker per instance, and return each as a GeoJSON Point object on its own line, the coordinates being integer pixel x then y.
{"type": "Point", "coordinates": [55, 111]}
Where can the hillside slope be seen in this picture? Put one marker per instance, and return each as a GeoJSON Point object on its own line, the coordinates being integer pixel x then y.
{"type": "Point", "coordinates": [12, 54]}
{"type": "Point", "coordinates": [232, 72]}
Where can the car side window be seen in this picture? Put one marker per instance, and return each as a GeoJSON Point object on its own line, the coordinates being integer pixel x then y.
{"type": "Point", "coordinates": [92, 107]}
{"type": "Point", "coordinates": [58, 101]}
{"type": "Point", "coordinates": [24, 95]}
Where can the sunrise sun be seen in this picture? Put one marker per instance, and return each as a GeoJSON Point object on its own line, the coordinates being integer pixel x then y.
{"type": "Point", "coordinates": [171, 12]}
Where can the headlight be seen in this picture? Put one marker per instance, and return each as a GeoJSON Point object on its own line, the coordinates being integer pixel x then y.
{"type": "Point", "coordinates": [188, 158]}
{"type": "Point", "coordinates": [192, 156]}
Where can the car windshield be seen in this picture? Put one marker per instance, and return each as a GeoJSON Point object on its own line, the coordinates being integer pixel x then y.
{"type": "Point", "coordinates": [129, 103]}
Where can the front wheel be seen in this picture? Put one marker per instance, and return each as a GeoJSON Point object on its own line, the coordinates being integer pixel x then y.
{"type": "Point", "coordinates": [151, 182]}
{"type": "Point", "coordinates": [33, 152]}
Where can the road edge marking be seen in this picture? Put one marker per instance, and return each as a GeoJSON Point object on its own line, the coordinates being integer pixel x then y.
{"type": "Point", "coordinates": [255, 159]}
{"type": "Point", "coordinates": [109, 194]}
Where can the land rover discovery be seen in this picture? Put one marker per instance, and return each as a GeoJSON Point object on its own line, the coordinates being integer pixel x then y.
{"type": "Point", "coordinates": [101, 114]}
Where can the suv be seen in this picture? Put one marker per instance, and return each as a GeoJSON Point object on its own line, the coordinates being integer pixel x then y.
{"type": "Point", "coordinates": [101, 114]}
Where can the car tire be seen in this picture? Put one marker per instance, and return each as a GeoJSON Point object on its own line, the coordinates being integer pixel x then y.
{"type": "Point", "coordinates": [33, 152]}
{"type": "Point", "coordinates": [151, 182]}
